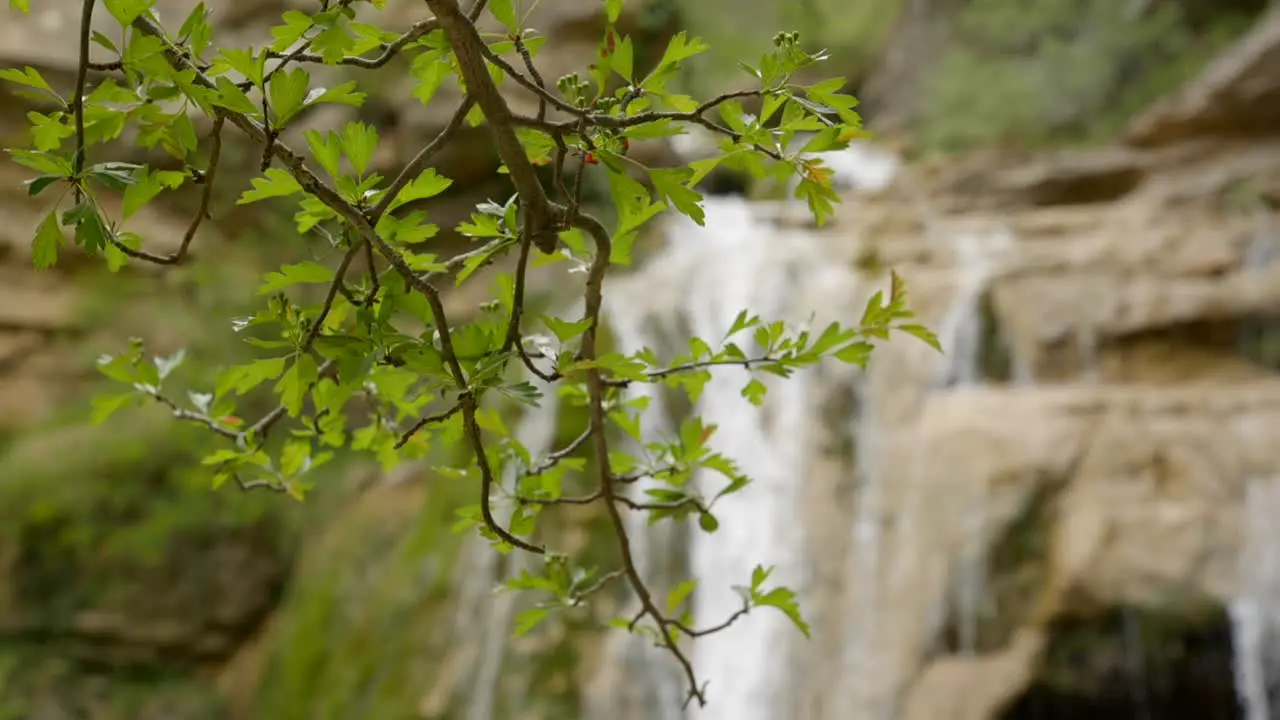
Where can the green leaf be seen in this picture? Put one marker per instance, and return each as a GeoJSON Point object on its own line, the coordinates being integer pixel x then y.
{"type": "Point", "coordinates": [529, 619]}
{"type": "Point", "coordinates": [296, 383]}
{"type": "Point", "coordinates": [42, 162]}
{"type": "Point", "coordinates": [37, 185]}
{"type": "Point", "coordinates": [783, 599]}
{"type": "Point", "coordinates": [670, 183]}
{"type": "Point", "coordinates": [196, 29]}
{"type": "Point", "coordinates": [679, 49]}
{"type": "Point", "coordinates": [505, 12]}
{"type": "Point", "coordinates": [91, 231]}
{"type": "Point", "coordinates": [754, 392]}
{"type": "Point", "coordinates": [274, 183]}
{"type": "Point", "coordinates": [613, 10]}
{"type": "Point", "coordinates": [344, 94]}
{"type": "Point", "coordinates": [28, 77]}
{"type": "Point", "coordinates": [334, 42]}
{"type": "Point", "coordinates": [48, 131]}
{"type": "Point", "coordinates": [104, 406]}
{"type": "Point", "coordinates": [22, 6]}
{"type": "Point", "coordinates": [429, 184]}
{"type": "Point", "coordinates": [48, 240]}
{"type": "Point", "coordinates": [857, 353]}
{"type": "Point", "coordinates": [297, 23]}
{"type": "Point", "coordinates": [923, 333]}
{"type": "Point", "coordinates": [126, 11]}
{"type": "Point", "coordinates": [327, 149]}
{"type": "Point", "coordinates": [287, 92]}
{"type": "Point", "coordinates": [359, 141]}
{"type": "Point", "coordinates": [565, 330]}
{"type": "Point", "coordinates": [708, 522]}
{"type": "Point", "coordinates": [308, 272]}
{"type": "Point", "coordinates": [243, 378]}
{"type": "Point", "coordinates": [623, 59]}
{"type": "Point", "coordinates": [679, 594]}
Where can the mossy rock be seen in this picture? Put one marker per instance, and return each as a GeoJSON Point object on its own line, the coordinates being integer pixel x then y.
{"type": "Point", "coordinates": [1063, 71]}
{"type": "Point", "coordinates": [364, 623]}
{"type": "Point", "coordinates": [35, 684]}
{"type": "Point", "coordinates": [113, 541]}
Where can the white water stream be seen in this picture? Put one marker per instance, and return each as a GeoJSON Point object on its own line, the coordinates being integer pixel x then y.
{"type": "Point", "coordinates": [1255, 611]}
{"type": "Point", "coordinates": [696, 286]}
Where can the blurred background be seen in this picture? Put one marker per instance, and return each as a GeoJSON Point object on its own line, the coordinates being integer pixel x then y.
{"type": "Point", "coordinates": [1070, 514]}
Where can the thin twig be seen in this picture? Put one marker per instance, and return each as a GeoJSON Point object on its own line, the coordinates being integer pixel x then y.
{"type": "Point", "coordinates": [425, 421]}
{"type": "Point", "coordinates": [77, 103]}
{"type": "Point", "coordinates": [424, 156]}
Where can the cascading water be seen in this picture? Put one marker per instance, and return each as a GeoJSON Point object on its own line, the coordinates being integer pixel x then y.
{"type": "Point", "coordinates": [961, 332]}
{"type": "Point", "coordinates": [696, 286]}
{"type": "Point", "coordinates": [1255, 610]}
{"type": "Point", "coordinates": [962, 336]}
{"type": "Point", "coordinates": [732, 259]}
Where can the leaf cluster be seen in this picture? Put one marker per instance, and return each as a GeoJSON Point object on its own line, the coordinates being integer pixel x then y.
{"type": "Point", "coordinates": [369, 361]}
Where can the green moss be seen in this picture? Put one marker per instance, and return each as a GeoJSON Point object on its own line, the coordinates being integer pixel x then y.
{"type": "Point", "coordinates": [1065, 71]}
{"type": "Point", "coordinates": [143, 466]}
{"type": "Point", "coordinates": [36, 682]}
{"type": "Point", "coordinates": [363, 624]}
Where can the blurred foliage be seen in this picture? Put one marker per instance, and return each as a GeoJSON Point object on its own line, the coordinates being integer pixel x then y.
{"type": "Point", "coordinates": [854, 31]}
{"type": "Point", "coordinates": [1067, 71]}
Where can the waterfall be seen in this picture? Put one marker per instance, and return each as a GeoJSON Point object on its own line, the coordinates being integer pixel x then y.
{"type": "Point", "coordinates": [962, 337]}
{"type": "Point", "coordinates": [710, 273]}
{"type": "Point", "coordinates": [1255, 610]}
{"type": "Point", "coordinates": [695, 286]}
{"type": "Point", "coordinates": [961, 331]}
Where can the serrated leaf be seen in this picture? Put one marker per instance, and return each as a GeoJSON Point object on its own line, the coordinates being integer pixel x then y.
{"type": "Point", "coordinates": [27, 77]}
{"type": "Point", "coordinates": [274, 183]}
{"type": "Point", "coordinates": [565, 330]}
{"type": "Point", "coordinates": [784, 600]}
{"type": "Point", "coordinates": [287, 92]}
{"type": "Point", "coordinates": [755, 392]}
{"type": "Point", "coordinates": [126, 11]}
{"type": "Point", "coordinates": [670, 183]}
{"type": "Point", "coordinates": [307, 272]}
{"type": "Point", "coordinates": [623, 58]}
{"type": "Point", "coordinates": [296, 383]}
{"type": "Point", "coordinates": [296, 24]}
{"type": "Point", "coordinates": [233, 98]}
{"type": "Point", "coordinates": [427, 185]}
{"type": "Point", "coordinates": [359, 141]}
{"type": "Point", "coordinates": [92, 232]}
